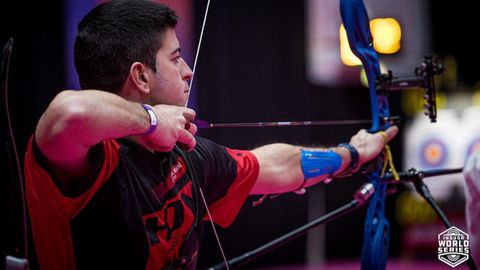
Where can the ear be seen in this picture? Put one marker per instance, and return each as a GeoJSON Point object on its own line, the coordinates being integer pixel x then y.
{"type": "Point", "coordinates": [138, 77]}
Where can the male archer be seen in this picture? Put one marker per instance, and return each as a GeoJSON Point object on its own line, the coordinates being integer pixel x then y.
{"type": "Point", "coordinates": [108, 187]}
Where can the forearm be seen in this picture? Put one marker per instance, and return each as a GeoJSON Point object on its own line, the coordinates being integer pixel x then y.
{"type": "Point", "coordinates": [77, 120]}
{"type": "Point", "coordinates": [281, 170]}
{"type": "Point", "coordinates": [281, 164]}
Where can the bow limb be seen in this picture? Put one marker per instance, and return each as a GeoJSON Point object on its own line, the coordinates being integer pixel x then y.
{"type": "Point", "coordinates": [377, 228]}
{"type": "Point", "coordinates": [10, 261]}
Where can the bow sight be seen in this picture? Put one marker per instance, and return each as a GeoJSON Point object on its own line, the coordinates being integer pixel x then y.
{"type": "Point", "coordinates": [424, 78]}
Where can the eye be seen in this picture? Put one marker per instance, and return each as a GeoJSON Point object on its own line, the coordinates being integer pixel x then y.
{"type": "Point", "coordinates": [177, 59]}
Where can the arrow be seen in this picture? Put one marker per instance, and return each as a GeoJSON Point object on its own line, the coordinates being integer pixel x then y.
{"type": "Point", "coordinates": [202, 124]}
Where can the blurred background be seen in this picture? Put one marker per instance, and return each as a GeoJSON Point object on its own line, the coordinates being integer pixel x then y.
{"type": "Point", "coordinates": [279, 60]}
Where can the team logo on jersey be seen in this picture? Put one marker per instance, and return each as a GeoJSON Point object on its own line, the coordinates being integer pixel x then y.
{"type": "Point", "coordinates": [176, 172]}
{"type": "Point", "coordinates": [178, 169]}
{"type": "Point", "coordinates": [173, 207]}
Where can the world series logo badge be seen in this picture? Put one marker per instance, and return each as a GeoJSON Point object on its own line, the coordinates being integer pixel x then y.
{"type": "Point", "coordinates": [453, 246]}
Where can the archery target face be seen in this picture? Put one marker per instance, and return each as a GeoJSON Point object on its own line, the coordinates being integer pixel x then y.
{"type": "Point", "coordinates": [433, 154]}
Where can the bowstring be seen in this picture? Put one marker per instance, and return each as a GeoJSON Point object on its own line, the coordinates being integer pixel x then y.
{"type": "Point", "coordinates": [217, 238]}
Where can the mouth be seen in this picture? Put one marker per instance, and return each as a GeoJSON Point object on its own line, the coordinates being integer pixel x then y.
{"type": "Point", "coordinates": [186, 91]}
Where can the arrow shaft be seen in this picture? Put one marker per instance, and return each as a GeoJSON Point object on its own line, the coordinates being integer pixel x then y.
{"type": "Point", "coordinates": [203, 125]}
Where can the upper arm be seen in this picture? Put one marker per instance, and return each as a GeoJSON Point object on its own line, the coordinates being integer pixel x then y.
{"type": "Point", "coordinates": [229, 177]}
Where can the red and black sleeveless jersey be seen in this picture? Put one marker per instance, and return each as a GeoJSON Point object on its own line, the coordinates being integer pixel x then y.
{"type": "Point", "coordinates": [136, 208]}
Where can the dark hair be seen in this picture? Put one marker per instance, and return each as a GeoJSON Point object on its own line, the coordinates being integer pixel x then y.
{"type": "Point", "coordinates": [116, 34]}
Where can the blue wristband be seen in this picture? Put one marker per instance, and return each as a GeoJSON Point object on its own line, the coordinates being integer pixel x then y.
{"type": "Point", "coordinates": [153, 118]}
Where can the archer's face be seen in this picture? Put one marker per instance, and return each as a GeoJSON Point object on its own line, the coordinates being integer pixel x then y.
{"type": "Point", "coordinates": [170, 82]}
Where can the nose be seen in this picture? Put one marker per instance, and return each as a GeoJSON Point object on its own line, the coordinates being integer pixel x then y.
{"type": "Point", "coordinates": [187, 72]}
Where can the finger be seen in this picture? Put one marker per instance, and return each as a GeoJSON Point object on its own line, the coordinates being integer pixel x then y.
{"type": "Point", "coordinates": [391, 132]}
{"type": "Point", "coordinates": [388, 134]}
{"type": "Point", "coordinates": [187, 138]}
{"type": "Point", "coordinates": [192, 129]}
{"type": "Point", "coordinates": [189, 114]}
{"type": "Point", "coordinates": [384, 136]}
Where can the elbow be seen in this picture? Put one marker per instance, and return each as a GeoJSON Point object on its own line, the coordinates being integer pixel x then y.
{"type": "Point", "coordinates": [65, 116]}
{"type": "Point", "coordinates": [70, 111]}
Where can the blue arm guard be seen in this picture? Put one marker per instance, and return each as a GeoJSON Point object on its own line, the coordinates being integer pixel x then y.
{"type": "Point", "coordinates": [315, 163]}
